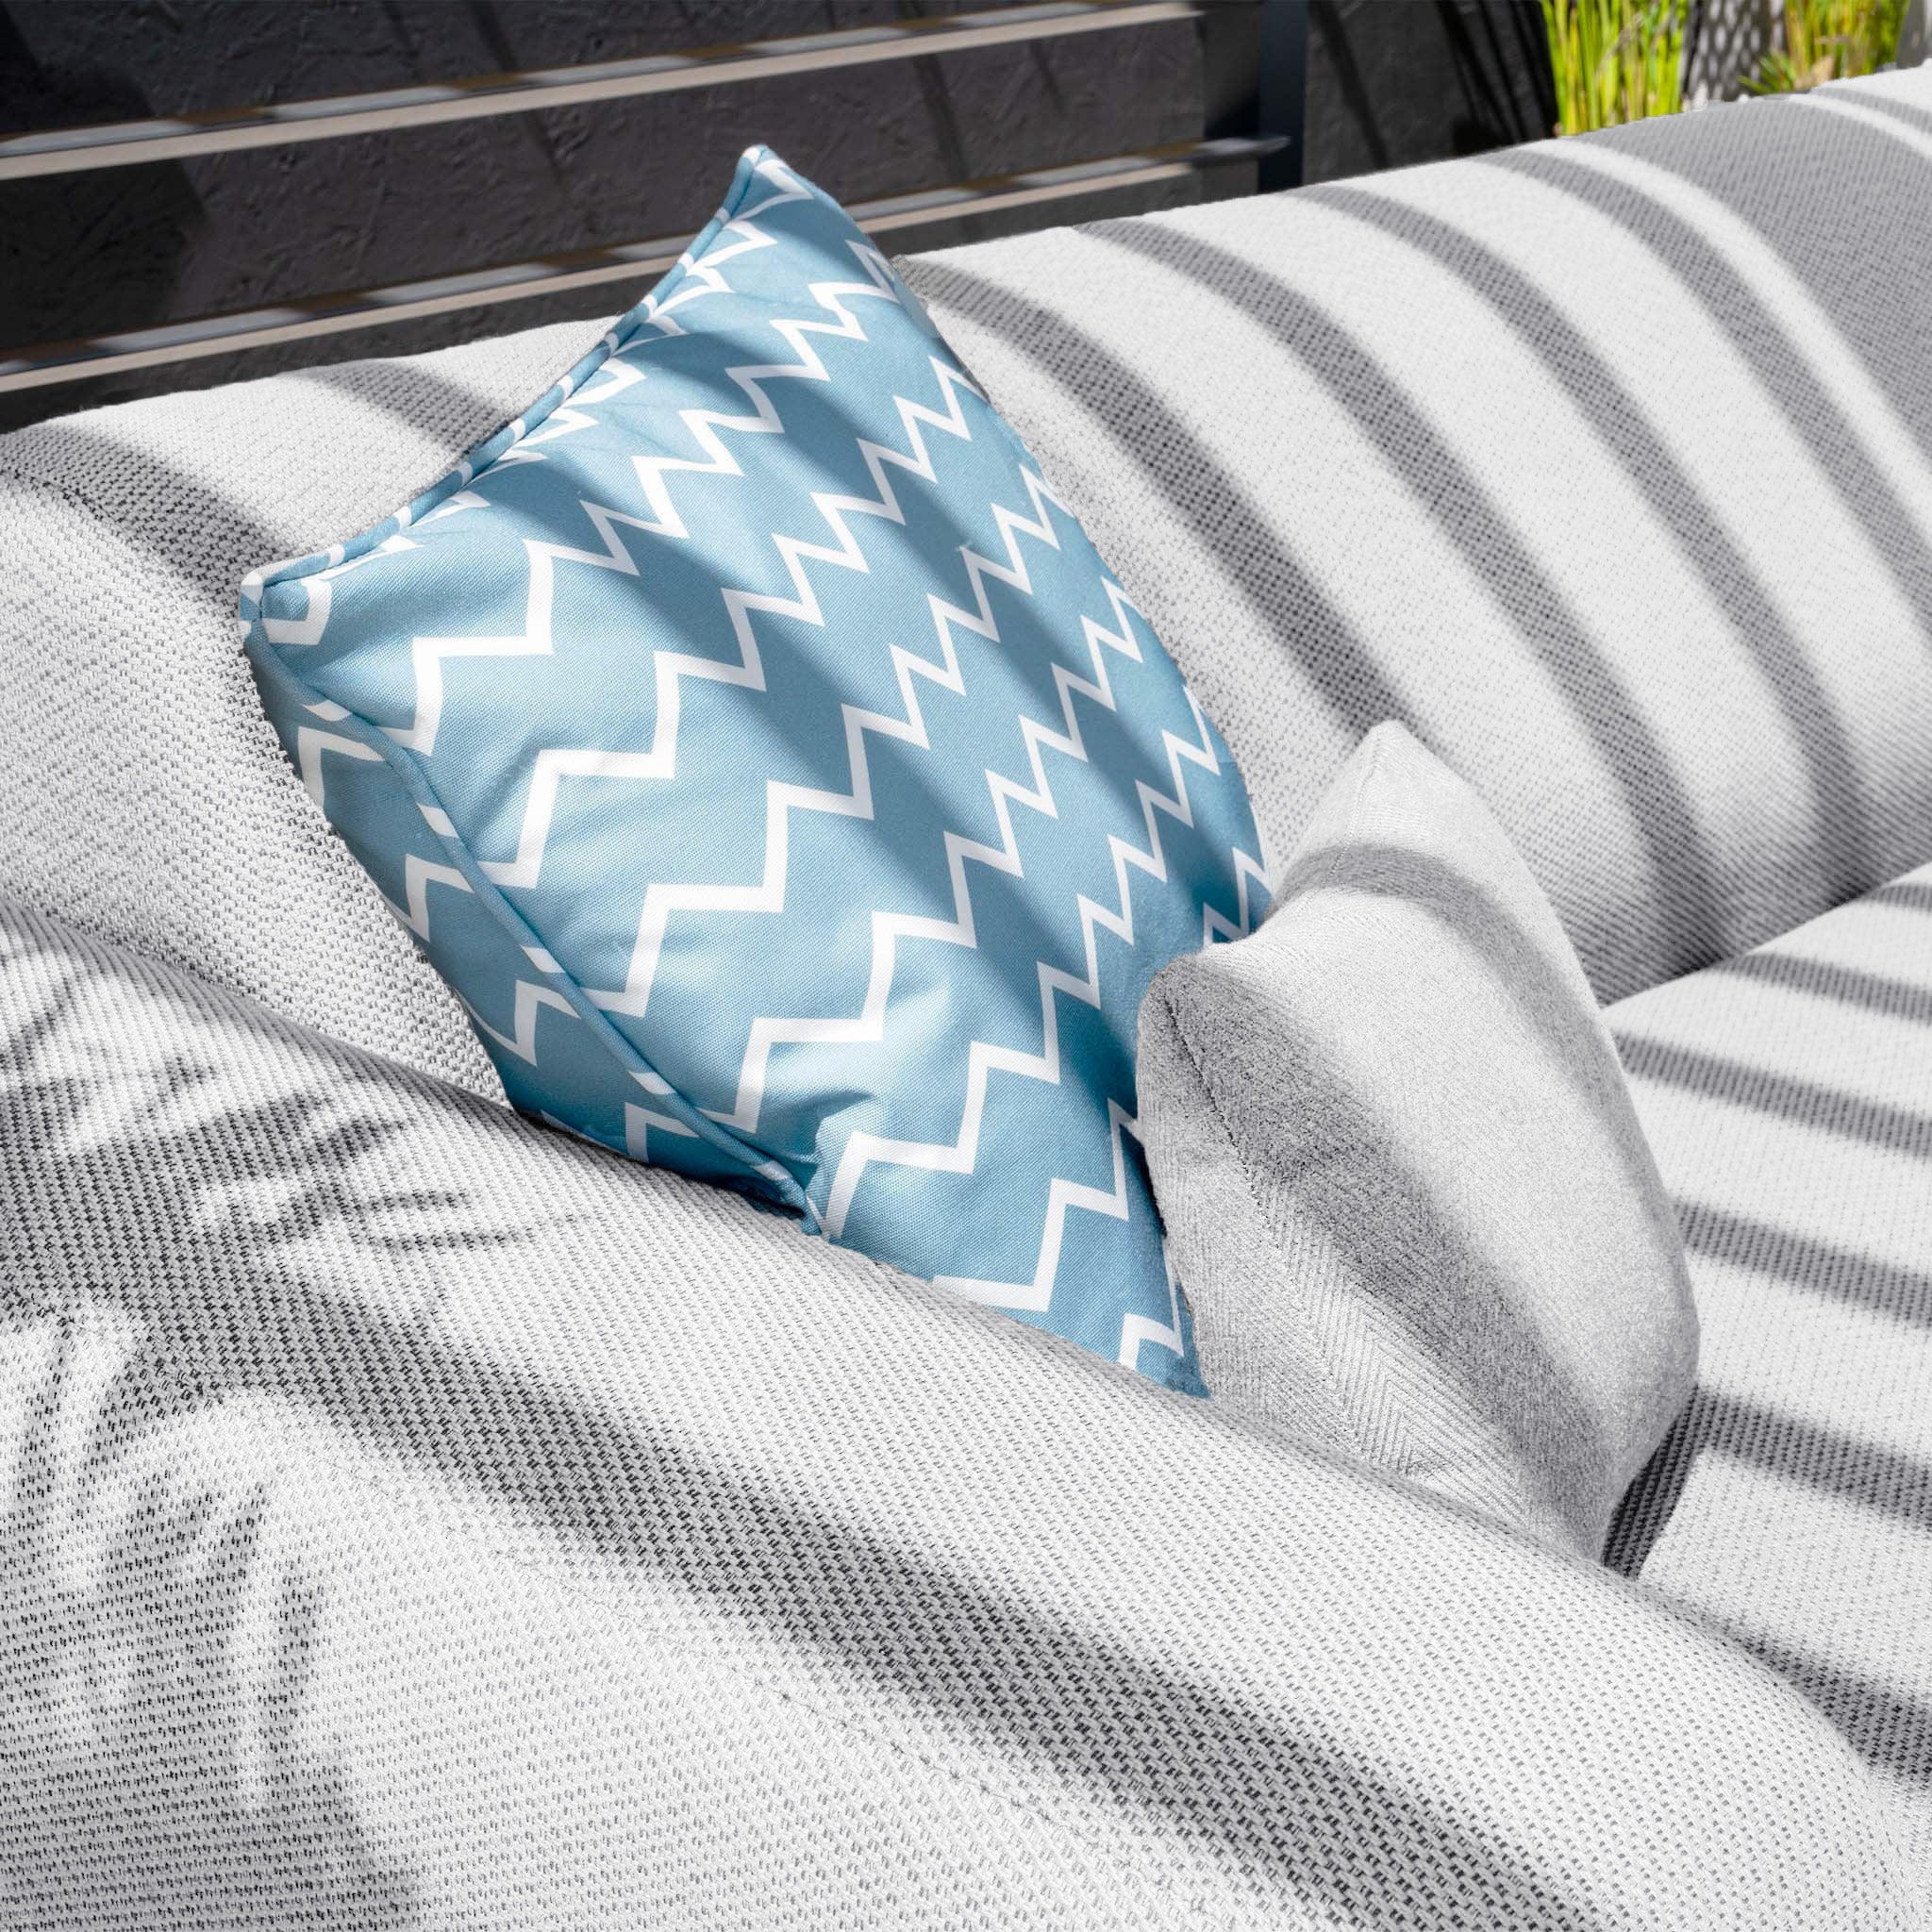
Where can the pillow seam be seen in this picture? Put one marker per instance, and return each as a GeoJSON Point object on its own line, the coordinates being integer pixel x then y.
{"type": "Point", "coordinates": [753, 1160]}
{"type": "Point", "coordinates": [1298, 1302]}
{"type": "Point", "coordinates": [1319, 1353]}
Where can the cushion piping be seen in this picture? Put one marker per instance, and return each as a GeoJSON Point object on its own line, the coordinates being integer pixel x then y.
{"type": "Point", "coordinates": [268, 664]}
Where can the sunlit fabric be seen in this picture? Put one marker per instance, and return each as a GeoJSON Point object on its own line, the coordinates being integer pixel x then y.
{"type": "Point", "coordinates": [1788, 1096]}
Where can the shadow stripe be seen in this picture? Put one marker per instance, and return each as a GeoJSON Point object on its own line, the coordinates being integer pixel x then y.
{"type": "Point", "coordinates": [1886, 1726]}
{"type": "Point", "coordinates": [1715, 1234]}
{"type": "Point", "coordinates": [426, 402]}
{"type": "Point", "coordinates": [1515, 960]}
{"type": "Point", "coordinates": [1435, 478]}
{"type": "Point", "coordinates": [1897, 999]}
{"type": "Point", "coordinates": [1915, 895]}
{"type": "Point", "coordinates": [1660, 480]}
{"type": "Point", "coordinates": [207, 541]}
{"type": "Point", "coordinates": [1870, 100]}
{"type": "Point", "coordinates": [1745, 320]}
{"type": "Point", "coordinates": [1819, 1457]}
{"type": "Point", "coordinates": [1896, 1129]}
{"type": "Point", "coordinates": [1227, 522]}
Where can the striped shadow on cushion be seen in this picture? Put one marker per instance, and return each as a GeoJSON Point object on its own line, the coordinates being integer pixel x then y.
{"type": "Point", "coordinates": [1787, 1093]}
{"type": "Point", "coordinates": [1539, 453]}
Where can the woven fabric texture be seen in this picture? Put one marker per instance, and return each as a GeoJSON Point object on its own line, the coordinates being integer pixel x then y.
{"type": "Point", "coordinates": [386, 1539]}
{"type": "Point", "coordinates": [194, 843]}
{"type": "Point", "coordinates": [1401, 1174]}
{"type": "Point", "coordinates": [1788, 1095]}
{"type": "Point", "coordinates": [1522, 447]}
{"type": "Point", "coordinates": [412, 1516]}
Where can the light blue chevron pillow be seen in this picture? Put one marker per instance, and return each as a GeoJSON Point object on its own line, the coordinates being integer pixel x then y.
{"type": "Point", "coordinates": [761, 751]}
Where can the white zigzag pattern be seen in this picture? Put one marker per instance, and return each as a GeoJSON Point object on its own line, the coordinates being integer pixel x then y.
{"type": "Point", "coordinates": [768, 895]}
{"type": "Point", "coordinates": [553, 764]}
{"type": "Point", "coordinates": [869, 1025]}
{"type": "Point", "coordinates": [1136, 1330]}
{"type": "Point", "coordinates": [639, 1123]}
{"type": "Point", "coordinates": [803, 605]}
{"type": "Point", "coordinates": [556, 763]}
{"type": "Point", "coordinates": [419, 875]}
{"type": "Point", "coordinates": [319, 591]}
{"type": "Point", "coordinates": [984, 1059]}
{"type": "Point", "coordinates": [889, 928]}
{"type": "Point", "coordinates": [429, 653]}
{"type": "Point", "coordinates": [781, 799]}
{"type": "Point", "coordinates": [310, 745]}
{"type": "Point", "coordinates": [529, 997]}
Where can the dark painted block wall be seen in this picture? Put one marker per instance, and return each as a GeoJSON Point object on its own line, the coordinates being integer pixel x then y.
{"type": "Point", "coordinates": [1389, 82]}
{"type": "Point", "coordinates": [1394, 82]}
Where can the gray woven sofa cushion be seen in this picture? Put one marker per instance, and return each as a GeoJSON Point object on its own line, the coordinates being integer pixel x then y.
{"type": "Point", "coordinates": [141, 794]}
{"type": "Point", "coordinates": [1400, 1172]}
{"type": "Point", "coordinates": [1788, 1095]}
{"type": "Point", "coordinates": [411, 1516]}
{"type": "Point", "coordinates": [1604, 464]}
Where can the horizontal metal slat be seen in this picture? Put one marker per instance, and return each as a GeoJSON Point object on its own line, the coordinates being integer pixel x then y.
{"type": "Point", "coordinates": [322, 315]}
{"type": "Point", "coordinates": [123, 143]}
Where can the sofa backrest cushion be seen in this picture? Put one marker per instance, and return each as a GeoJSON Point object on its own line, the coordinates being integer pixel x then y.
{"type": "Point", "coordinates": [1604, 464]}
{"type": "Point", "coordinates": [142, 794]}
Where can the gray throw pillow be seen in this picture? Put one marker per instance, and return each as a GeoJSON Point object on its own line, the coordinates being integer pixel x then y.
{"type": "Point", "coordinates": [1402, 1181]}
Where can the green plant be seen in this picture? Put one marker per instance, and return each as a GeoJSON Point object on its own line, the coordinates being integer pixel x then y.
{"type": "Point", "coordinates": [1829, 39]}
{"type": "Point", "coordinates": [1615, 61]}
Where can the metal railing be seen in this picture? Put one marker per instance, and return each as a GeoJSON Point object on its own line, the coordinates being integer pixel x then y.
{"type": "Point", "coordinates": [1253, 69]}
{"type": "Point", "coordinates": [116, 145]}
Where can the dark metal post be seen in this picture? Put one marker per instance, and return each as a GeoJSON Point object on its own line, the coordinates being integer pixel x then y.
{"type": "Point", "coordinates": [1284, 89]}
{"type": "Point", "coordinates": [1913, 39]}
{"type": "Point", "coordinates": [1255, 69]}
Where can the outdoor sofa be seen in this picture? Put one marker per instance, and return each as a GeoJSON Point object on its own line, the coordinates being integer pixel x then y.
{"type": "Point", "coordinates": [409, 1515]}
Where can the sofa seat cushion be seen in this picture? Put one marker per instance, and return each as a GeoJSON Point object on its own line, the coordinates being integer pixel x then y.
{"type": "Point", "coordinates": [412, 1516]}
{"type": "Point", "coordinates": [1788, 1098]}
